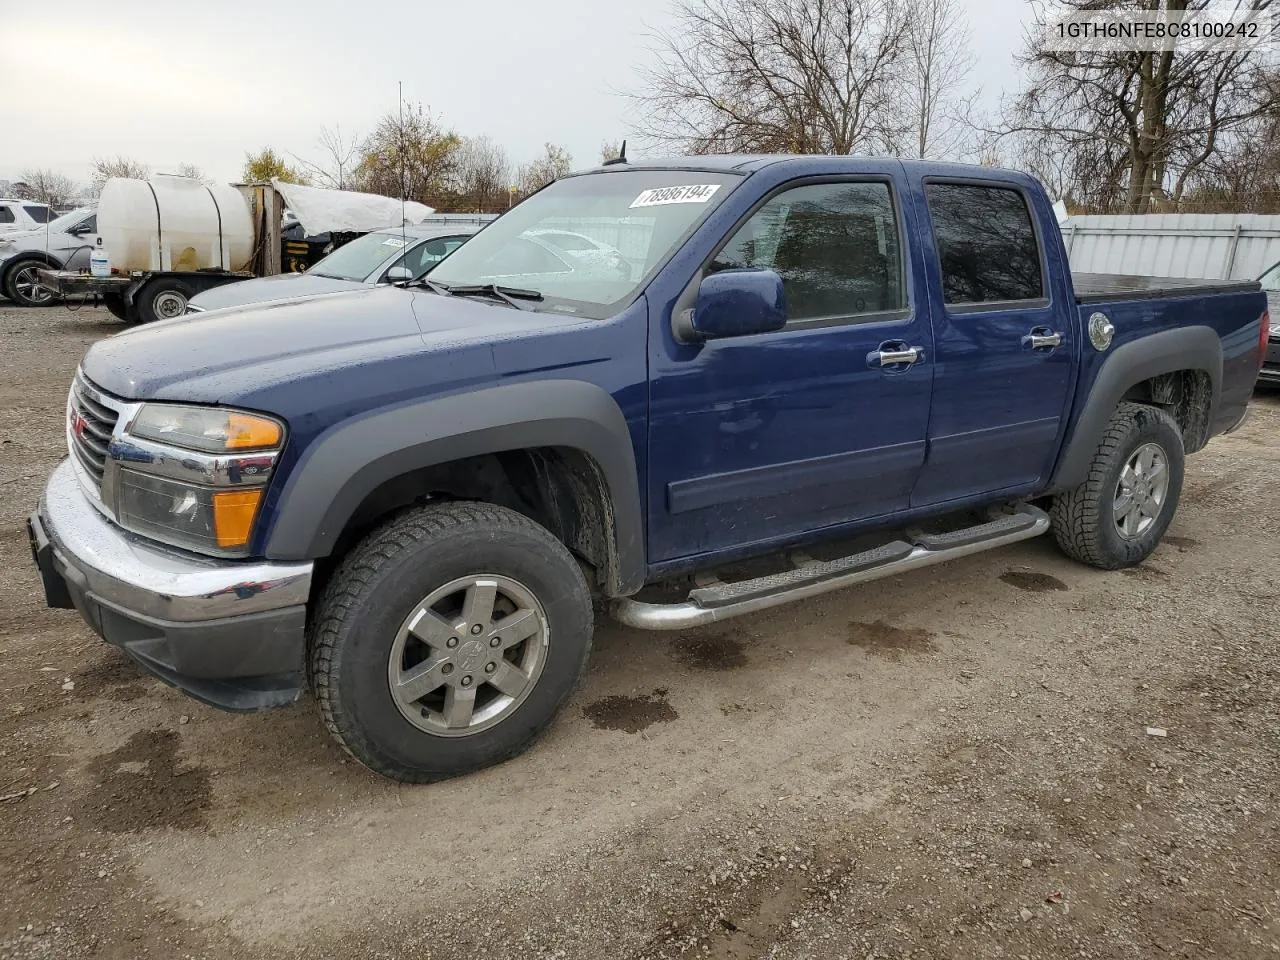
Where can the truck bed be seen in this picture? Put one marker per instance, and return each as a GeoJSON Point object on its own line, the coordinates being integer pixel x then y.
{"type": "Point", "coordinates": [1098, 287]}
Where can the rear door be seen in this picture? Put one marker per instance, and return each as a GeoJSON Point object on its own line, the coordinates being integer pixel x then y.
{"type": "Point", "coordinates": [762, 438]}
{"type": "Point", "coordinates": [1005, 340]}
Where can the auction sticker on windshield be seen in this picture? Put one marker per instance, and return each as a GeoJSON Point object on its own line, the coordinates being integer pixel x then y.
{"type": "Point", "coordinates": [689, 193]}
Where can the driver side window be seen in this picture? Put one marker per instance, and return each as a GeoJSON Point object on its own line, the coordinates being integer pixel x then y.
{"type": "Point", "coordinates": [835, 245]}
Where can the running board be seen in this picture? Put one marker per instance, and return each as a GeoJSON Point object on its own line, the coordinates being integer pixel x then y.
{"type": "Point", "coordinates": [720, 601]}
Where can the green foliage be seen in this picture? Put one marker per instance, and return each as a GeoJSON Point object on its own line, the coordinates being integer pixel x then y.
{"type": "Point", "coordinates": [266, 165]}
{"type": "Point", "coordinates": [411, 157]}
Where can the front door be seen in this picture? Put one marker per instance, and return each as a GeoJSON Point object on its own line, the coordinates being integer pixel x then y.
{"type": "Point", "coordinates": [758, 439]}
{"type": "Point", "coordinates": [1005, 336]}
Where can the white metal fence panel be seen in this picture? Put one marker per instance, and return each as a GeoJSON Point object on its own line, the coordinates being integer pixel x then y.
{"type": "Point", "coordinates": [1212, 246]}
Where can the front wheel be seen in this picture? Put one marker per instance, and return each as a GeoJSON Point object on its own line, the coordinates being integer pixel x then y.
{"type": "Point", "coordinates": [22, 284]}
{"type": "Point", "coordinates": [1118, 515]}
{"type": "Point", "coordinates": [448, 640]}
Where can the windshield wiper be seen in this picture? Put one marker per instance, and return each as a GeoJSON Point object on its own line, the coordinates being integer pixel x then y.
{"type": "Point", "coordinates": [431, 285]}
{"type": "Point", "coordinates": [509, 295]}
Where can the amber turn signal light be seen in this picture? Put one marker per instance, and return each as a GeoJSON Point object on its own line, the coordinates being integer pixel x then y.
{"type": "Point", "coordinates": [233, 513]}
{"type": "Point", "coordinates": [245, 432]}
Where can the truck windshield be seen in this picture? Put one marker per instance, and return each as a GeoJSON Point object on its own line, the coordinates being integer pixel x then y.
{"type": "Point", "coordinates": [586, 243]}
{"type": "Point", "coordinates": [361, 257]}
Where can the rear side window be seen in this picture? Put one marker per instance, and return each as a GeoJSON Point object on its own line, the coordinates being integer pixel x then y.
{"type": "Point", "coordinates": [986, 244]}
{"type": "Point", "coordinates": [6, 215]}
{"type": "Point", "coordinates": [38, 214]}
{"type": "Point", "coordinates": [835, 245]}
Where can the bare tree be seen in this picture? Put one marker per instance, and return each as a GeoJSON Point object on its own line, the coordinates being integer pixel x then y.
{"type": "Point", "coordinates": [1136, 128]}
{"type": "Point", "coordinates": [610, 149]}
{"type": "Point", "coordinates": [104, 168]}
{"type": "Point", "coordinates": [483, 176]}
{"type": "Point", "coordinates": [48, 186]}
{"type": "Point", "coordinates": [801, 76]}
{"type": "Point", "coordinates": [554, 163]}
{"type": "Point", "coordinates": [410, 156]}
{"type": "Point", "coordinates": [938, 62]}
{"type": "Point", "coordinates": [340, 156]}
{"type": "Point", "coordinates": [192, 172]}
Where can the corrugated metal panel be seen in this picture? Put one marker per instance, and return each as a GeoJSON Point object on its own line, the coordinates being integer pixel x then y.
{"type": "Point", "coordinates": [1211, 246]}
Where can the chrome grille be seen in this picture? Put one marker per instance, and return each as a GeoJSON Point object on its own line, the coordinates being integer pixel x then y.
{"type": "Point", "coordinates": [90, 422]}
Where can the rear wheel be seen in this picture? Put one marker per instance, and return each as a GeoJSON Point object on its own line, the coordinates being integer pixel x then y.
{"type": "Point", "coordinates": [1118, 515]}
{"type": "Point", "coordinates": [162, 299]}
{"type": "Point", "coordinates": [447, 640]}
{"type": "Point", "coordinates": [22, 284]}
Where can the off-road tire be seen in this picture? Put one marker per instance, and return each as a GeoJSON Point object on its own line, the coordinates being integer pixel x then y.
{"type": "Point", "coordinates": [1083, 521]}
{"type": "Point", "coordinates": [379, 583]}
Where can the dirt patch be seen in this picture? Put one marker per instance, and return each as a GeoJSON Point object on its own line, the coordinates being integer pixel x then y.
{"type": "Point", "coordinates": [1032, 582]}
{"type": "Point", "coordinates": [630, 714]}
{"type": "Point", "coordinates": [1182, 543]}
{"type": "Point", "coordinates": [884, 640]}
{"type": "Point", "coordinates": [1146, 572]}
{"type": "Point", "coordinates": [713, 651]}
{"type": "Point", "coordinates": [140, 785]}
{"type": "Point", "coordinates": [106, 674]}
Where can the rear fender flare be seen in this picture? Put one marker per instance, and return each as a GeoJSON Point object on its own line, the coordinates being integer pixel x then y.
{"type": "Point", "coordinates": [1187, 348]}
{"type": "Point", "coordinates": [344, 465]}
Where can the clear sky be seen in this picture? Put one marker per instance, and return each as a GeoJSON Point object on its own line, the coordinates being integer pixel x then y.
{"type": "Point", "coordinates": [205, 82]}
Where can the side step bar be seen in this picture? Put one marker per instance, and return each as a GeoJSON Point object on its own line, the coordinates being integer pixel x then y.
{"type": "Point", "coordinates": [721, 601]}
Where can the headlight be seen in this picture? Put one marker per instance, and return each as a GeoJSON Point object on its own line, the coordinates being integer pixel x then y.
{"type": "Point", "coordinates": [205, 519]}
{"type": "Point", "coordinates": [207, 429]}
{"type": "Point", "coordinates": [194, 476]}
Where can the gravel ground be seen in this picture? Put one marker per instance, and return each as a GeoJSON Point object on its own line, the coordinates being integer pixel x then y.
{"type": "Point", "coordinates": [954, 763]}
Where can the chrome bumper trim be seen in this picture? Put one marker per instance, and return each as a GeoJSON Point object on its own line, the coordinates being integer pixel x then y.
{"type": "Point", "coordinates": [134, 575]}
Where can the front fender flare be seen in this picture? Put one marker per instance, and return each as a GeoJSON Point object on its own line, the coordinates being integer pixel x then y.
{"type": "Point", "coordinates": [1187, 348]}
{"type": "Point", "coordinates": [351, 460]}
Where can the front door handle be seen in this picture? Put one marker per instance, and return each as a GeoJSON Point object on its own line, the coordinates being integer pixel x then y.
{"type": "Point", "coordinates": [894, 354]}
{"type": "Point", "coordinates": [1042, 338]}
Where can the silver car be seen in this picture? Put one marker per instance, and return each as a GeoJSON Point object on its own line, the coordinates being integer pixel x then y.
{"type": "Point", "coordinates": [65, 243]}
{"type": "Point", "coordinates": [380, 257]}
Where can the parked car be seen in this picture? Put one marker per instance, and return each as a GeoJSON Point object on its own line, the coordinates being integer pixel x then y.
{"type": "Point", "coordinates": [18, 215]}
{"type": "Point", "coordinates": [1270, 372]}
{"type": "Point", "coordinates": [578, 248]}
{"type": "Point", "coordinates": [368, 260]}
{"type": "Point", "coordinates": [65, 243]}
{"type": "Point", "coordinates": [410, 498]}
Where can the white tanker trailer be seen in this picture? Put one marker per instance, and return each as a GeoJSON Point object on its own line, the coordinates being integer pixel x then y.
{"type": "Point", "coordinates": [162, 241]}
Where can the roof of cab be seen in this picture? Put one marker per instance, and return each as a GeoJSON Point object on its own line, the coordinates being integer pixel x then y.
{"type": "Point", "coordinates": [747, 163]}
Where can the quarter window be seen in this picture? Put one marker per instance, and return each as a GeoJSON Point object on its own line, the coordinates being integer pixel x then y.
{"type": "Point", "coordinates": [835, 245]}
{"type": "Point", "coordinates": [986, 244]}
{"type": "Point", "coordinates": [6, 215]}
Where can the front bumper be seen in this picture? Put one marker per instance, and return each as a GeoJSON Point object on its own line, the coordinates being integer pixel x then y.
{"type": "Point", "coordinates": [229, 633]}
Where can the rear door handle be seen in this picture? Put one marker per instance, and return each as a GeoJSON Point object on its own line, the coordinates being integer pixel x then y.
{"type": "Point", "coordinates": [894, 354]}
{"type": "Point", "coordinates": [1042, 338]}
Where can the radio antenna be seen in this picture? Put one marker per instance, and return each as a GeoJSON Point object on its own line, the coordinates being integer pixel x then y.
{"type": "Point", "coordinates": [404, 240]}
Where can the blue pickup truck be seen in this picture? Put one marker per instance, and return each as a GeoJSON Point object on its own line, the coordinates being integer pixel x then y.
{"type": "Point", "coordinates": [412, 500]}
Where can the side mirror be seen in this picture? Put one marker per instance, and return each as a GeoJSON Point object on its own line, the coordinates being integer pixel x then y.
{"type": "Point", "coordinates": [79, 230]}
{"type": "Point", "coordinates": [735, 303]}
{"type": "Point", "coordinates": [399, 275]}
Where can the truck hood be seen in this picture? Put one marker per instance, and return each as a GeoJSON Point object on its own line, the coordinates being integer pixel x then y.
{"type": "Point", "coordinates": [235, 356]}
{"type": "Point", "coordinates": [284, 286]}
